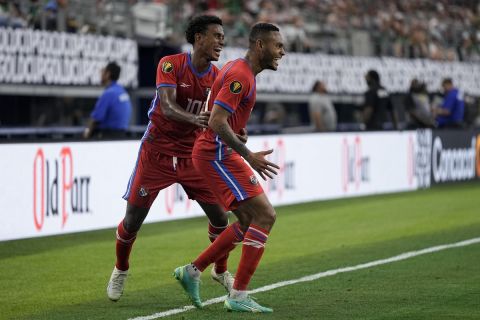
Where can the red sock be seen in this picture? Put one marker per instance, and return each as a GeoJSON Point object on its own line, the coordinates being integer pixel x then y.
{"type": "Point", "coordinates": [252, 251]}
{"type": "Point", "coordinates": [124, 245]}
{"type": "Point", "coordinates": [225, 243]}
{"type": "Point", "coordinates": [213, 233]}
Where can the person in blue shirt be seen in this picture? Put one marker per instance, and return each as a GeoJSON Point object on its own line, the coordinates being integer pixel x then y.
{"type": "Point", "coordinates": [450, 113]}
{"type": "Point", "coordinates": [111, 115]}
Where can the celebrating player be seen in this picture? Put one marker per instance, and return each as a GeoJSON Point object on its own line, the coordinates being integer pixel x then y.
{"type": "Point", "coordinates": [232, 180]}
{"type": "Point", "coordinates": [177, 112]}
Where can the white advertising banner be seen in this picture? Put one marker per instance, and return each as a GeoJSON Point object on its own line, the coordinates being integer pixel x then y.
{"type": "Point", "coordinates": [30, 56]}
{"type": "Point", "coordinates": [298, 72]}
{"type": "Point", "coordinates": [328, 166]}
{"type": "Point", "coordinates": [55, 188]}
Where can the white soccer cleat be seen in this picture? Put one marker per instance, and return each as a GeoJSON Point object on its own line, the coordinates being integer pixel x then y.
{"type": "Point", "coordinates": [116, 284]}
{"type": "Point", "coordinates": [225, 279]}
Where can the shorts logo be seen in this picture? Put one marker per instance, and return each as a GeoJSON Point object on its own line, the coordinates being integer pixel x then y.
{"type": "Point", "coordinates": [143, 192]}
{"type": "Point", "coordinates": [253, 179]}
{"type": "Point", "coordinates": [167, 67]}
{"type": "Point", "coordinates": [235, 87]}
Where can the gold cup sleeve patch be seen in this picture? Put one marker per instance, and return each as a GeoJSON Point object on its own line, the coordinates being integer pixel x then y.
{"type": "Point", "coordinates": [167, 67]}
{"type": "Point", "coordinates": [235, 87]}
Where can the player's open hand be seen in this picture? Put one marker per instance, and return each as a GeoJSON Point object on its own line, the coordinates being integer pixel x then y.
{"type": "Point", "coordinates": [201, 120]}
{"type": "Point", "coordinates": [261, 165]}
{"type": "Point", "coordinates": [243, 135]}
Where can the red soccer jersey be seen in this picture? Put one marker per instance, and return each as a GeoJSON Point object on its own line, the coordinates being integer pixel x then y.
{"type": "Point", "coordinates": [235, 91]}
{"type": "Point", "coordinates": [171, 137]}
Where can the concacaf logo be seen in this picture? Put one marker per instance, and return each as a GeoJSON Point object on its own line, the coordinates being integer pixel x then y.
{"type": "Point", "coordinates": [167, 67]}
{"type": "Point", "coordinates": [235, 87]}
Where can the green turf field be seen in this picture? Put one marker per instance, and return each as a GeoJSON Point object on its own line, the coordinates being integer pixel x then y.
{"type": "Point", "coordinates": [65, 277]}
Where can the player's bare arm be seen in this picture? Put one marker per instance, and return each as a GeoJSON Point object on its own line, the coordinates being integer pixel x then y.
{"type": "Point", "coordinates": [219, 123]}
{"type": "Point", "coordinates": [88, 132]}
{"type": "Point", "coordinates": [173, 111]}
{"type": "Point", "coordinates": [243, 135]}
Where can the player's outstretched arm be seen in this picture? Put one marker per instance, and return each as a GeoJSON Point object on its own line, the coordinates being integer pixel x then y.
{"type": "Point", "coordinates": [219, 123]}
{"type": "Point", "coordinates": [170, 108]}
{"type": "Point", "coordinates": [243, 135]}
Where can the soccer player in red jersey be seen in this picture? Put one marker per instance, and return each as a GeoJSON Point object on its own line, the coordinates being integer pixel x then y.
{"type": "Point", "coordinates": [218, 154]}
{"type": "Point", "coordinates": [176, 113]}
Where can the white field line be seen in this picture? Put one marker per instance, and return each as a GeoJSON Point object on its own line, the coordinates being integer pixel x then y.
{"type": "Point", "coordinates": [403, 256]}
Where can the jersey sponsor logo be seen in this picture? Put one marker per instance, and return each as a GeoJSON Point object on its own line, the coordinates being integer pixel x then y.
{"type": "Point", "coordinates": [167, 67]}
{"type": "Point", "coordinates": [235, 87]}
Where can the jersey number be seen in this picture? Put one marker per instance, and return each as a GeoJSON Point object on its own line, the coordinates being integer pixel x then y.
{"type": "Point", "coordinates": [194, 106]}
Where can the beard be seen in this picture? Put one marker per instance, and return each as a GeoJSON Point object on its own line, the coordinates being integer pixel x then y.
{"type": "Point", "coordinates": [267, 62]}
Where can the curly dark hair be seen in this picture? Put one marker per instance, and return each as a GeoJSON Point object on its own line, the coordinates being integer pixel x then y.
{"type": "Point", "coordinates": [200, 24]}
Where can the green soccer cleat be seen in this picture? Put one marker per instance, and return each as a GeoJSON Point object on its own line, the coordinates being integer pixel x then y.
{"type": "Point", "coordinates": [189, 284]}
{"type": "Point", "coordinates": [246, 304]}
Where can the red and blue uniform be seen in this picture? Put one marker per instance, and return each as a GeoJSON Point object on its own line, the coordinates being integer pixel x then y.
{"type": "Point", "coordinates": [165, 152]}
{"type": "Point", "coordinates": [228, 175]}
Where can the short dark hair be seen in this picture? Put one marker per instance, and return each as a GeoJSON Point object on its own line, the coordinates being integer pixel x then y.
{"type": "Point", "coordinates": [373, 74]}
{"type": "Point", "coordinates": [200, 24]}
{"type": "Point", "coordinates": [260, 30]}
{"type": "Point", "coordinates": [447, 81]}
{"type": "Point", "coordinates": [114, 69]}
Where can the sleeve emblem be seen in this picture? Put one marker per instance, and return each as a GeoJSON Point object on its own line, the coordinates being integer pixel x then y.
{"type": "Point", "coordinates": [167, 67]}
{"type": "Point", "coordinates": [235, 87]}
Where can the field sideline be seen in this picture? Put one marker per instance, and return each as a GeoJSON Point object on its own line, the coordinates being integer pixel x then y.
{"type": "Point", "coordinates": [64, 277]}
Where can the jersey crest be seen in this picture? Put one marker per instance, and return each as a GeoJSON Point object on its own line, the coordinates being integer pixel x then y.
{"type": "Point", "coordinates": [167, 67]}
{"type": "Point", "coordinates": [235, 87]}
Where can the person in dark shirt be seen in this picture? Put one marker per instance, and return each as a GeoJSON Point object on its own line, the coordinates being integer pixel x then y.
{"type": "Point", "coordinates": [111, 115]}
{"type": "Point", "coordinates": [450, 113]}
{"type": "Point", "coordinates": [377, 104]}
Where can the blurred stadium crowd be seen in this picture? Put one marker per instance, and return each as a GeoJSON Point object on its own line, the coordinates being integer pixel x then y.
{"type": "Point", "coordinates": [440, 30]}
{"type": "Point", "coordinates": [443, 30]}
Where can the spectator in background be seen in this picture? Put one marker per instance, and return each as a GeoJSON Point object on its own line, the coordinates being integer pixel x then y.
{"type": "Point", "coordinates": [450, 113]}
{"type": "Point", "coordinates": [323, 116]}
{"type": "Point", "coordinates": [417, 107]}
{"type": "Point", "coordinates": [377, 104]}
{"type": "Point", "coordinates": [112, 111]}
{"type": "Point", "coordinates": [34, 13]}
{"type": "Point", "coordinates": [11, 15]}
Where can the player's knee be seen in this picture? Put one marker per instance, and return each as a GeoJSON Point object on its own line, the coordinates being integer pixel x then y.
{"type": "Point", "coordinates": [271, 216]}
{"type": "Point", "coordinates": [216, 214]}
{"type": "Point", "coordinates": [267, 217]}
{"type": "Point", "coordinates": [134, 218]}
{"type": "Point", "coordinates": [245, 223]}
{"type": "Point", "coordinates": [244, 219]}
{"type": "Point", "coordinates": [220, 220]}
